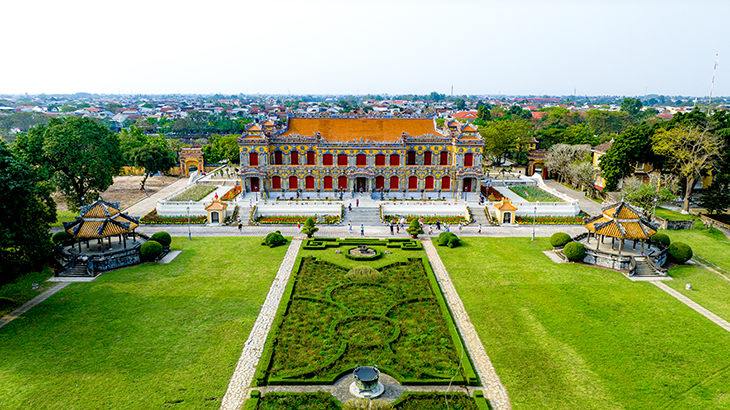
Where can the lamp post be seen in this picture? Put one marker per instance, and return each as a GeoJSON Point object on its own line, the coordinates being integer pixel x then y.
{"type": "Point", "coordinates": [534, 216]}
{"type": "Point", "coordinates": [190, 237]}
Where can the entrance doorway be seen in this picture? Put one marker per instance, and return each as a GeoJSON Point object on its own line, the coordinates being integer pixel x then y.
{"type": "Point", "coordinates": [467, 184]}
{"type": "Point", "coordinates": [255, 184]}
{"type": "Point", "coordinates": [361, 184]}
{"type": "Point", "coordinates": [214, 218]}
{"type": "Point", "coordinates": [507, 218]}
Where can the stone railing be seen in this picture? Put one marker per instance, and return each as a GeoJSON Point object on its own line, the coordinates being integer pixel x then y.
{"type": "Point", "coordinates": [674, 225]}
{"type": "Point", "coordinates": [656, 267]}
{"type": "Point", "coordinates": [712, 222]}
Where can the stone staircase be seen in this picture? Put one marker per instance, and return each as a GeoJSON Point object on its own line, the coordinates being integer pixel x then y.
{"type": "Point", "coordinates": [78, 270]}
{"type": "Point", "coordinates": [367, 216]}
{"type": "Point", "coordinates": [477, 213]}
{"type": "Point", "coordinates": [643, 268]}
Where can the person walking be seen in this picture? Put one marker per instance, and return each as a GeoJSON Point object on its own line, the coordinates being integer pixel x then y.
{"type": "Point", "coordinates": [349, 226]}
{"type": "Point", "coordinates": [362, 230]}
{"type": "Point", "coordinates": [391, 227]}
{"type": "Point", "coordinates": [357, 202]}
{"type": "Point", "coordinates": [299, 226]}
{"type": "Point", "coordinates": [460, 227]}
{"type": "Point", "coordinates": [480, 229]}
{"type": "Point", "coordinates": [438, 225]}
{"type": "Point", "coordinates": [240, 226]}
{"type": "Point", "coordinates": [446, 226]}
{"type": "Point", "coordinates": [430, 229]}
{"type": "Point", "coordinates": [349, 207]}
{"type": "Point", "coordinates": [397, 228]}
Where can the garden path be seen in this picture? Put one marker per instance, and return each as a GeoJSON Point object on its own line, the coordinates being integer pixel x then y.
{"type": "Point", "coordinates": [146, 205]}
{"type": "Point", "coordinates": [240, 384]}
{"type": "Point", "coordinates": [31, 303]}
{"type": "Point", "coordinates": [494, 390]}
{"type": "Point", "coordinates": [586, 204]}
{"type": "Point", "coordinates": [696, 307]}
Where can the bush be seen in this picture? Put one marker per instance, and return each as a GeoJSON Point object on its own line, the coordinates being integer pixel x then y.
{"type": "Point", "coordinates": [559, 239]}
{"type": "Point", "coordinates": [309, 229]}
{"type": "Point", "coordinates": [574, 251]}
{"type": "Point", "coordinates": [448, 239]}
{"type": "Point", "coordinates": [150, 250]}
{"type": "Point", "coordinates": [680, 252]}
{"type": "Point", "coordinates": [414, 228]}
{"type": "Point", "coordinates": [661, 238]}
{"type": "Point", "coordinates": [163, 238]}
{"type": "Point", "coordinates": [61, 237]}
{"type": "Point", "coordinates": [274, 239]}
{"type": "Point", "coordinates": [364, 274]}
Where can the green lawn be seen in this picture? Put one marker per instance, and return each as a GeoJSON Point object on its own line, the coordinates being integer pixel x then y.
{"type": "Point", "coordinates": [16, 293]}
{"type": "Point", "coordinates": [713, 245]}
{"type": "Point", "coordinates": [567, 336]}
{"type": "Point", "coordinates": [673, 215]}
{"type": "Point", "coordinates": [150, 336]}
{"type": "Point", "coordinates": [64, 216]}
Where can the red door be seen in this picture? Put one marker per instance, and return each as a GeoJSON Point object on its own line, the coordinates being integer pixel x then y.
{"type": "Point", "coordinates": [379, 183]}
{"type": "Point", "coordinates": [275, 182]}
{"type": "Point", "coordinates": [328, 183]}
{"type": "Point", "coordinates": [380, 160]}
{"type": "Point", "coordinates": [445, 183]}
{"type": "Point", "coordinates": [429, 182]}
{"type": "Point", "coordinates": [293, 182]}
{"type": "Point", "coordinates": [411, 158]}
{"type": "Point", "coordinates": [412, 183]}
{"type": "Point", "coordinates": [467, 184]}
{"type": "Point", "coordinates": [393, 183]}
{"type": "Point", "coordinates": [342, 182]}
{"type": "Point", "coordinates": [361, 160]}
{"type": "Point", "coordinates": [254, 184]}
{"type": "Point", "coordinates": [444, 158]}
{"type": "Point", "coordinates": [395, 160]}
{"type": "Point", "coordinates": [309, 182]}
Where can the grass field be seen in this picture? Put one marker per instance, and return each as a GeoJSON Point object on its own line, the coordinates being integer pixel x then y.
{"type": "Point", "coordinates": [567, 336]}
{"type": "Point", "coordinates": [150, 336]}
{"type": "Point", "coordinates": [14, 294]}
{"type": "Point", "coordinates": [673, 215]}
{"type": "Point", "coordinates": [64, 216]}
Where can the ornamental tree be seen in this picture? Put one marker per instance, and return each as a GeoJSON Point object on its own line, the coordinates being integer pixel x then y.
{"type": "Point", "coordinates": [80, 155]}
{"type": "Point", "coordinates": [414, 228]}
{"type": "Point", "coordinates": [309, 228]}
{"type": "Point", "coordinates": [660, 188]}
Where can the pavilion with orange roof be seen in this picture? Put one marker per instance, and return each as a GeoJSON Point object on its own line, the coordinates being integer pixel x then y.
{"type": "Point", "coordinates": [620, 221]}
{"type": "Point", "coordinates": [100, 220]}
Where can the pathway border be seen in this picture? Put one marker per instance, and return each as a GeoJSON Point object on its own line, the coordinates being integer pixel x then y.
{"type": "Point", "coordinates": [494, 390]}
{"type": "Point", "coordinates": [693, 305]}
{"type": "Point", "coordinates": [240, 385]}
{"type": "Point", "coordinates": [32, 303]}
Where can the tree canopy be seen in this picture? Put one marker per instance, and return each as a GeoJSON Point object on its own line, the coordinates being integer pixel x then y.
{"type": "Point", "coordinates": [80, 155]}
{"type": "Point", "coordinates": [25, 217]}
{"type": "Point", "coordinates": [628, 148]}
{"type": "Point", "coordinates": [504, 137]}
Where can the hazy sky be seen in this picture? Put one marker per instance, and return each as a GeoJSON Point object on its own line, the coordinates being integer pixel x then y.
{"type": "Point", "coordinates": [348, 47]}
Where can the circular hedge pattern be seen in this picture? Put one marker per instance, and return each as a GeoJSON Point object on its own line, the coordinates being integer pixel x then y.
{"type": "Point", "coordinates": [574, 251]}
{"type": "Point", "coordinates": [559, 239]}
{"type": "Point", "coordinates": [661, 238]}
{"type": "Point", "coordinates": [150, 250]}
{"type": "Point", "coordinates": [162, 237]}
{"type": "Point", "coordinates": [680, 252]}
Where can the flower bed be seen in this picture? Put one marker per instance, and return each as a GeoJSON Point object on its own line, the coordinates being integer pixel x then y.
{"type": "Point", "coordinates": [194, 193]}
{"type": "Point", "coordinates": [293, 219]}
{"type": "Point", "coordinates": [153, 218]}
{"type": "Point", "coordinates": [552, 220]}
{"type": "Point", "coordinates": [492, 194]}
{"type": "Point", "coordinates": [231, 195]}
{"type": "Point", "coordinates": [428, 220]}
{"type": "Point", "coordinates": [534, 194]}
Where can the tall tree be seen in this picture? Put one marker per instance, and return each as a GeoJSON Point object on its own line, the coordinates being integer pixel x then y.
{"type": "Point", "coordinates": [25, 217]}
{"type": "Point", "coordinates": [483, 113]}
{"type": "Point", "coordinates": [716, 199]}
{"type": "Point", "coordinates": [690, 153]}
{"type": "Point", "coordinates": [659, 188]}
{"type": "Point", "coordinates": [81, 155]}
{"type": "Point", "coordinates": [627, 149]}
{"type": "Point", "coordinates": [459, 103]}
{"type": "Point", "coordinates": [154, 156]}
{"type": "Point", "coordinates": [632, 106]}
{"type": "Point", "coordinates": [561, 157]}
{"type": "Point", "coordinates": [504, 137]}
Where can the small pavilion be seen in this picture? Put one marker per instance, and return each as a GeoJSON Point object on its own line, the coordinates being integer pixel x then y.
{"type": "Point", "coordinates": [505, 211]}
{"type": "Point", "coordinates": [620, 221]}
{"type": "Point", "coordinates": [217, 211]}
{"type": "Point", "coordinates": [100, 220]}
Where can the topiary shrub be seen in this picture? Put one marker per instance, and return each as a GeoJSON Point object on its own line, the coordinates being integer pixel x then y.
{"type": "Point", "coordinates": [309, 229]}
{"type": "Point", "coordinates": [364, 274]}
{"type": "Point", "coordinates": [661, 238]}
{"type": "Point", "coordinates": [414, 228]}
{"type": "Point", "coordinates": [680, 252]}
{"type": "Point", "coordinates": [574, 251]}
{"type": "Point", "coordinates": [559, 239]}
{"type": "Point", "coordinates": [150, 250]}
{"type": "Point", "coordinates": [162, 237]}
{"type": "Point", "coordinates": [61, 237]}
{"type": "Point", "coordinates": [444, 237]}
{"type": "Point", "coordinates": [274, 239]}
{"type": "Point", "coordinates": [454, 242]}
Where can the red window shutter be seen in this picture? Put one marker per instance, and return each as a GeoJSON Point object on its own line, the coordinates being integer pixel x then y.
{"type": "Point", "coordinates": [394, 160]}
{"type": "Point", "coordinates": [294, 158]}
{"type": "Point", "coordinates": [253, 159]}
{"type": "Point", "coordinates": [469, 160]}
{"type": "Point", "coordinates": [427, 158]}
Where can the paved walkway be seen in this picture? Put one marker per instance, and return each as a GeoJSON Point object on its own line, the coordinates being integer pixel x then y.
{"type": "Point", "coordinates": [494, 390]}
{"type": "Point", "coordinates": [31, 303]}
{"type": "Point", "coordinates": [240, 385]}
{"type": "Point", "coordinates": [699, 309]}
{"type": "Point", "coordinates": [144, 206]}
{"type": "Point", "coordinates": [586, 204]}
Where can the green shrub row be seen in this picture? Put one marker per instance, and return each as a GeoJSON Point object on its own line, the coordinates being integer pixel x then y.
{"type": "Point", "coordinates": [324, 400]}
{"type": "Point", "coordinates": [324, 243]}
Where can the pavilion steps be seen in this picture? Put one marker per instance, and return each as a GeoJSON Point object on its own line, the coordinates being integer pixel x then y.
{"type": "Point", "coordinates": [78, 270]}
{"type": "Point", "coordinates": [644, 269]}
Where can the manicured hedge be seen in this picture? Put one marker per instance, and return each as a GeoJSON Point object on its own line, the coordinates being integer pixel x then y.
{"type": "Point", "coordinates": [574, 251]}
{"type": "Point", "coordinates": [680, 252]}
{"type": "Point", "coordinates": [559, 239]}
{"type": "Point", "coordinates": [61, 237]}
{"type": "Point", "coordinates": [274, 239]}
{"type": "Point", "coordinates": [378, 255]}
{"type": "Point", "coordinates": [150, 250]}
{"type": "Point", "coordinates": [324, 243]}
{"type": "Point", "coordinates": [448, 239]}
{"type": "Point", "coordinates": [162, 237]}
{"type": "Point", "coordinates": [661, 238]}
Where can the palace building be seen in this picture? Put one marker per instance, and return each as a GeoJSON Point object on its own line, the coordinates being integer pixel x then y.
{"type": "Point", "coordinates": [354, 153]}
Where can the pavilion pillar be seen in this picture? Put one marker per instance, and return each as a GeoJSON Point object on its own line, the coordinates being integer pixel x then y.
{"type": "Point", "coordinates": [613, 243]}
{"type": "Point", "coordinates": [79, 246]}
{"type": "Point", "coordinates": [598, 243]}
{"type": "Point", "coordinates": [642, 247]}
{"type": "Point", "coordinates": [634, 244]}
{"type": "Point", "coordinates": [620, 245]}
{"type": "Point", "coordinates": [588, 239]}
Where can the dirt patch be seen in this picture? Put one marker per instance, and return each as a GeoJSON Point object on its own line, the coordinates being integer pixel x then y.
{"type": "Point", "coordinates": [126, 190]}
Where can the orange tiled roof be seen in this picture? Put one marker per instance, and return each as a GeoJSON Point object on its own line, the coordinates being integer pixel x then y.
{"type": "Point", "coordinates": [505, 205]}
{"type": "Point", "coordinates": [349, 129]}
{"type": "Point", "coordinates": [623, 221]}
{"type": "Point", "coordinates": [99, 220]}
{"type": "Point", "coordinates": [216, 205]}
